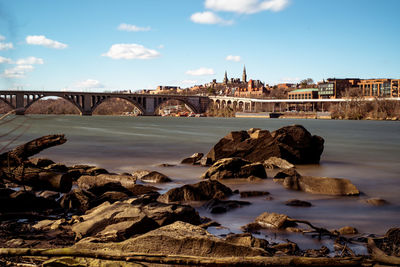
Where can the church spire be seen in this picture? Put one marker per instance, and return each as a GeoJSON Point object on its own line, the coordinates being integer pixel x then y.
{"type": "Point", "coordinates": [226, 78]}
{"type": "Point", "coordinates": [244, 77]}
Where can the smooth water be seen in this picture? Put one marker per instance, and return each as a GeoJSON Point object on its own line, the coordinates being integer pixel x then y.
{"type": "Point", "coordinates": [366, 152]}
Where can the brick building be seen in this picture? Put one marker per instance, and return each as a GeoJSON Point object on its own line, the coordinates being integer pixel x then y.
{"type": "Point", "coordinates": [380, 87]}
{"type": "Point", "coordinates": [335, 88]}
{"type": "Point", "coordinates": [306, 93]}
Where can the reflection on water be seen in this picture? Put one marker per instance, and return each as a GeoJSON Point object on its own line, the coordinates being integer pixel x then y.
{"type": "Point", "coordinates": [366, 152]}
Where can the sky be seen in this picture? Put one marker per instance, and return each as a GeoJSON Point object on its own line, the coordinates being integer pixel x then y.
{"type": "Point", "coordinates": [103, 45]}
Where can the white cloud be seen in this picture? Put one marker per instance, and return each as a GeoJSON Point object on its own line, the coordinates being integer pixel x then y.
{"type": "Point", "coordinates": [133, 28]}
{"type": "Point", "coordinates": [18, 71]}
{"type": "Point", "coordinates": [201, 72]}
{"type": "Point", "coordinates": [29, 61]}
{"type": "Point", "coordinates": [5, 60]}
{"type": "Point", "coordinates": [208, 17]}
{"type": "Point", "coordinates": [2, 38]}
{"type": "Point", "coordinates": [6, 46]}
{"type": "Point", "coordinates": [246, 6]}
{"type": "Point", "coordinates": [42, 40]}
{"type": "Point", "coordinates": [130, 51]}
{"type": "Point", "coordinates": [233, 58]}
{"type": "Point", "coordinates": [89, 83]}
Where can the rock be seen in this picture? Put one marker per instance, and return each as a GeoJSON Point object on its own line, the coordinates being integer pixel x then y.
{"type": "Point", "coordinates": [229, 168]}
{"type": "Point", "coordinates": [21, 201]}
{"type": "Point", "coordinates": [95, 171]}
{"type": "Point", "coordinates": [193, 159]}
{"type": "Point", "coordinates": [151, 176]}
{"type": "Point", "coordinates": [166, 165]}
{"type": "Point", "coordinates": [76, 173]}
{"type": "Point", "coordinates": [41, 162]}
{"type": "Point", "coordinates": [376, 201]}
{"type": "Point", "coordinates": [57, 167]}
{"type": "Point", "coordinates": [205, 162]}
{"type": "Point", "coordinates": [315, 253]}
{"type": "Point", "coordinates": [222, 206]}
{"type": "Point", "coordinates": [136, 215]}
{"type": "Point", "coordinates": [287, 173]}
{"type": "Point", "coordinates": [86, 182]}
{"type": "Point", "coordinates": [245, 194]}
{"type": "Point", "coordinates": [321, 185]}
{"type": "Point", "coordinates": [178, 238]}
{"type": "Point", "coordinates": [50, 194]}
{"type": "Point", "coordinates": [101, 189]}
{"type": "Point", "coordinates": [289, 248]}
{"type": "Point", "coordinates": [391, 245]}
{"type": "Point", "coordinates": [43, 225]}
{"type": "Point", "coordinates": [273, 220]}
{"type": "Point", "coordinates": [201, 191]}
{"type": "Point", "coordinates": [277, 163]}
{"type": "Point", "coordinates": [110, 196]}
{"type": "Point", "coordinates": [139, 189]}
{"type": "Point", "coordinates": [348, 230]}
{"type": "Point", "coordinates": [15, 243]}
{"type": "Point", "coordinates": [247, 240]}
{"type": "Point", "coordinates": [77, 200]}
{"type": "Point", "coordinates": [292, 143]}
{"type": "Point", "coordinates": [297, 203]}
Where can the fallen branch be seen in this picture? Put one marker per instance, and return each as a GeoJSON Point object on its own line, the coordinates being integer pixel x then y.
{"type": "Point", "coordinates": [184, 260]}
{"type": "Point", "coordinates": [380, 256]}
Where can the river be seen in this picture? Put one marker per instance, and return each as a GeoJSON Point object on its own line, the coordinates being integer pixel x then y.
{"type": "Point", "coordinates": [366, 152]}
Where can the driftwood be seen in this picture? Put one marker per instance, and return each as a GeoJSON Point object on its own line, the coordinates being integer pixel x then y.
{"type": "Point", "coordinates": [380, 256]}
{"type": "Point", "coordinates": [14, 166]}
{"type": "Point", "coordinates": [183, 259]}
{"type": "Point", "coordinates": [21, 153]}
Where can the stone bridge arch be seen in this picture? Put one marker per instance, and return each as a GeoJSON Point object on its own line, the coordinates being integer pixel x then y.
{"type": "Point", "coordinates": [161, 100]}
{"type": "Point", "coordinates": [7, 102]}
{"type": "Point", "coordinates": [98, 100]}
{"type": "Point", "coordinates": [36, 98]}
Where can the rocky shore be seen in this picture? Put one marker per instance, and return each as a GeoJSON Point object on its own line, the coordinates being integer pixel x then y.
{"type": "Point", "coordinates": [57, 215]}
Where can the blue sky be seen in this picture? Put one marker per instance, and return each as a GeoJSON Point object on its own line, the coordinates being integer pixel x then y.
{"type": "Point", "coordinates": [96, 45]}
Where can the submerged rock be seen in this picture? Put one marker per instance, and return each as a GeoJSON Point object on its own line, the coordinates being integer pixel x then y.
{"type": "Point", "coordinates": [245, 194]}
{"type": "Point", "coordinates": [272, 220]}
{"type": "Point", "coordinates": [297, 203]}
{"type": "Point", "coordinates": [376, 202]}
{"type": "Point", "coordinates": [348, 230]}
{"type": "Point", "coordinates": [321, 185]}
{"type": "Point", "coordinates": [230, 168]}
{"type": "Point", "coordinates": [201, 191]}
{"type": "Point", "coordinates": [178, 238]}
{"type": "Point", "coordinates": [292, 143]}
{"type": "Point", "coordinates": [222, 206]}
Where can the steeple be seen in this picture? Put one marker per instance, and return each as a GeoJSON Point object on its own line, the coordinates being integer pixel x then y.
{"type": "Point", "coordinates": [244, 77]}
{"type": "Point", "coordinates": [226, 78]}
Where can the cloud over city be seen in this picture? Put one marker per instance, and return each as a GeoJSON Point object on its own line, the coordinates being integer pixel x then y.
{"type": "Point", "coordinates": [5, 60]}
{"type": "Point", "coordinates": [209, 17]}
{"type": "Point", "coordinates": [132, 28]}
{"type": "Point", "coordinates": [29, 61]}
{"type": "Point", "coordinates": [246, 6]}
{"type": "Point", "coordinates": [200, 72]}
{"type": "Point", "coordinates": [43, 41]}
{"type": "Point", "coordinates": [24, 65]}
{"type": "Point", "coordinates": [130, 51]}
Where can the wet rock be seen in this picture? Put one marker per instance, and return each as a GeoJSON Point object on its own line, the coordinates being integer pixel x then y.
{"type": "Point", "coordinates": [76, 173]}
{"type": "Point", "coordinates": [50, 195]}
{"type": "Point", "coordinates": [245, 194]}
{"type": "Point", "coordinates": [100, 189]}
{"type": "Point", "coordinates": [136, 216]}
{"type": "Point", "coordinates": [222, 206]}
{"type": "Point", "coordinates": [297, 203]}
{"type": "Point", "coordinates": [21, 201]}
{"type": "Point", "coordinates": [109, 196]}
{"type": "Point", "coordinates": [230, 168]}
{"type": "Point", "coordinates": [321, 185]}
{"type": "Point", "coordinates": [77, 200]}
{"type": "Point", "coordinates": [247, 240]}
{"type": "Point", "coordinates": [201, 191]}
{"type": "Point", "coordinates": [15, 243]}
{"type": "Point", "coordinates": [273, 220]}
{"type": "Point", "coordinates": [348, 230]}
{"type": "Point", "coordinates": [193, 159]}
{"type": "Point", "coordinates": [391, 244]}
{"type": "Point", "coordinates": [286, 173]}
{"type": "Point", "coordinates": [41, 162]}
{"type": "Point", "coordinates": [179, 238]}
{"type": "Point", "coordinates": [139, 189]}
{"type": "Point", "coordinates": [86, 182]}
{"type": "Point", "coordinates": [292, 143]}
{"type": "Point", "coordinates": [289, 248]}
{"type": "Point", "coordinates": [151, 176]}
{"type": "Point", "coordinates": [277, 163]}
{"type": "Point", "coordinates": [57, 167]}
{"type": "Point", "coordinates": [166, 165]}
{"type": "Point", "coordinates": [315, 253]}
{"type": "Point", "coordinates": [95, 171]}
{"type": "Point", "coordinates": [376, 202]}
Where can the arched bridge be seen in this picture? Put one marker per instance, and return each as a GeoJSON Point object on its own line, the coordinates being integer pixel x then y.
{"type": "Point", "coordinates": [88, 102]}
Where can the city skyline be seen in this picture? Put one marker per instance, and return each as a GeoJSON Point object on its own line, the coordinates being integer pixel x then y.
{"type": "Point", "coordinates": [126, 44]}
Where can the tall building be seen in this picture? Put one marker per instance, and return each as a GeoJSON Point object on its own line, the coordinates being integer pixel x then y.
{"type": "Point", "coordinates": [226, 78]}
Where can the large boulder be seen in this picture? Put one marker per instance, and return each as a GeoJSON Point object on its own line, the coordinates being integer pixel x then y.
{"type": "Point", "coordinates": [121, 220]}
{"type": "Point", "coordinates": [277, 163]}
{"type": "Point", "coordinates": [193, 159]}
{"type": "Point", "coordinates": [321, 185]}
{"type": "Point", "coordinates": [151, 176]}
{"type": "Point", "coordinates": [201, 191]}
{"type": "Point", "coordinates": [179, 238]}
{"type": "Point", "coordinates": [292, 143]}
{"type": "Point", "coordinates": [87, 182]}
{"type": "Point", "coordinates": [230, 168]}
